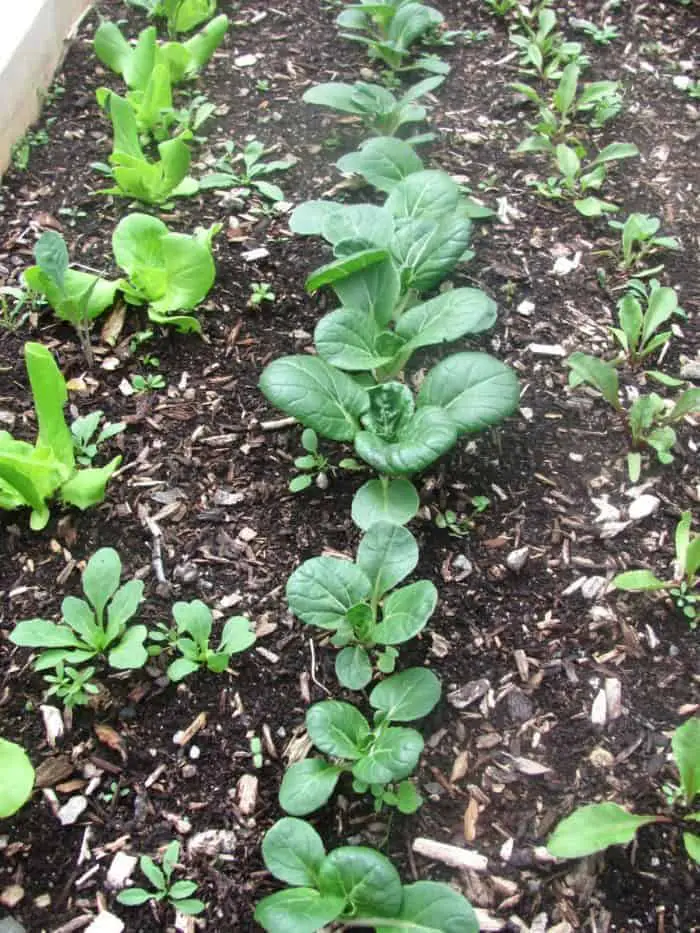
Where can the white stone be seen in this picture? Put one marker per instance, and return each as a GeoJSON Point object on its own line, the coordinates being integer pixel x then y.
{"type": "Point", "coordinates": [106, 922]}
{"type": "Point", "coordinates": [643, 507]}
{"type": "Point", "coordinates": [72, 810]}
{"type": "Point", "coordinates": [120, 870]}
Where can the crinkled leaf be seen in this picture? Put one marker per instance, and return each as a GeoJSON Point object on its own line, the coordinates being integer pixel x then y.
{"type": "Point", "coordinates": [429, 434]}
{"type": "Point", "coordinates": [383, 162]}
{"type": "Point", "coordinates": [323, 589]}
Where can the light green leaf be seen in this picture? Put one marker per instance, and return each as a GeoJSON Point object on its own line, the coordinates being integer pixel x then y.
{"type": "Point", "coordinates": [385, 500]}
{"type": "Point", "coordinates": [406, 696]}
{"type": "Point", "coordinates": [293, 851]}
{"type": "Point", "coordinates": [299, 910]}
{"type": "Point", "coordinates": [307, 785]}
{"type": "Point", "coordinates": [593, 828]}
{"type": "Point", "coordinates": [634, 580]}
{"type": "Point", "coordinates": [383, 162]}
{"type": "Point", "coordinates": [353, 667]}
{"type": "Point", "coordinates": [342, 268]}
{"type": "Point", "coordinates": [130, 653]}
{"type": "Point", "coordinates": [406, 613]}
{"type": "Point", "coordinates": [432, 907]}
{"type": "Point", "coordinates": [686, 751]}
{"type": "Point", "coordinates": [448, 317]}
{"type": "Point", "coordinates": [387, 553]}
{"type": "Point", "coordinates": [101, 578]}
{"type": "Point", "coordinates": [16, 778]}
{"type": "Point", "coordinates": [337, 729]}
{"type": "Point", "coordinates": [323, 589]}
{"type": "Point", "coordinates": [364, 878]}
{"type": "Point", "coordinates": [392, 756]}
{"type": "Point", "coordinates": [429, 193]}
{"type": "Point", "coordinates": [428, 434]}
{"type": "Point", "coordinates": [598, 374]}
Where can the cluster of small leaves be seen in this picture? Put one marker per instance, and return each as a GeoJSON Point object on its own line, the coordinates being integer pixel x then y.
{"type": "Point", "coordinates": [178, 894]}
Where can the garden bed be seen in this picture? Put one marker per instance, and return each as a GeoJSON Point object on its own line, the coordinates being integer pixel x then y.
{"type": "Point", "coordinates": [204, 480]}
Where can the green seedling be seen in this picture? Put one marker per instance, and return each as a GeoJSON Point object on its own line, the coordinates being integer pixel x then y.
{"type": "Point", "coordinates": [639, 242]}
{"type": "Point", "coordinates": [88, 436]}
{"type": "Point", "coordinates": [151, 382]}
{"type": "Point", "coordinates": [461, 527]}
{"type": "Point", "coordinates": [380, 757]}
{"type": "Point", "coordinates": [684, 585]}
{"type": "Point", "coordinates": [595, 827]}
{"type": "Point", "coordinates": [543, 50]}
{"type": "Point", "coordinates": [379, 111]}
{"type": "Point", "coordinates": [502, 7]}
{"type": "Point", "coordinates": [72, 686]}
{"type": "Point", "coordinates": [263, 85]}
{"type": "Point", "coordinates": [193, 622]}
{"type": "Point", "coordinates": [601, 35]}
{"type": "Point", "coordinates": [256, 752]}
{"type": "Point", "coordinates": [247, 170]}
{"type": "Point", "coordinates": [360, 604]}
{"type": "Point", "coordinates": [95, 627]}
{"type": "Point", "coordinates": [21, 152]}
{"type": "Point", "coordinates": [32, 474]}
{"type": "Point", "coordinates": [16, 778]}
{"type": "Point", "coordinates": [178, 894]}
{"type": "Point", "coordinates": [180, 15]}
{"type": "Point", "coordinates": [312, 464]}
{"type": "Point", "coordinates": [641, 313]}
{"type": "Point", "coordinates": [259, 293]}
{"type": "Point", "coordinates": [114, 790]}
{"type": "Point", "coordinates": [16, 304]}
{"type": "Point", "coordinates": [351, 886]}
{"type": "Point", "coordinates": [73, 214]}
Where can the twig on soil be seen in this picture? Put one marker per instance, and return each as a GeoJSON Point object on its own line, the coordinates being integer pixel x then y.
{"type": "Point", "coordinates": [278, 424]}
{"type": "Point", "coordinates": [313, 668]}
{"type": "Point", "coordinates": [157, 559]}
{"type": "Point", "coordinates": [450, 855]}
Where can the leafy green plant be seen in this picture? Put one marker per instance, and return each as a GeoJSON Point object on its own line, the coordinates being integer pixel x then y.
{"type": "Point", "coordinates": [641, 312]}
{"type": "Point", "coordinates": [380, 111]}
{"type": "Point", "coordinates": [259, 293]}
{"type": "Point", "coordinates": [351, 886]}
{"type": "Point", "coordinates": [30, 474]}
{"type": "Point", "coordinates": [313, 464]}
{"type": "Point", "coordinates": [88, 437]}
{"type": "Point", "coordinates": [16, 778]}
{"type": "Point", "coordinates": [639, 241]}
{"type": "Point", "coordinates": [193, 622]}
{"type": "Point", "coordinates": [683, 586]}
{"type": "Point", "coordinates": [170, 272]}
{"type": "Point", "coordinates": [151, 382]}
{"type": "Point", "coordinates": [595, 827]}
{"type": "Point", "coordinates": [390, 29]}
{"type": "Point", "coordinates": [72, 686]}
{"type": "Point", "coordinates": [502, 7]}
{"type": "Point", "coordinates": [95, 627]}
{"type": "Point", "coordinates": [360, 604]}
{"type": "Point", "coordinates": [16, 305]}
{"type": "Point", "coordinates": [178, 894]}
{"type": "Point", "coordinates": [22, 150]}
{"type": "Point", "coordinates": [247, 170]}
{"type": "Point", "coordinates": [601, 35]}
{"type": "Point", "coordinates": [180, 15]}
{"type": "Point", "coordinates": [380, 756]}
{"type": "Point", "coordinates": [543, 49]}
{"type": "Point", "coordinates": [461, 527]}
{"type": "Point", "coordinates": [576, 180]}
{"type": "Point", "coordinates": [76, 297]}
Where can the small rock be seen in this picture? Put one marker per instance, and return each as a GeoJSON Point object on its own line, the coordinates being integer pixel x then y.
{"type": "Point", "coordinates": [247, 794]}
{"type": "Point", "coordinates": [106, 923]}
{"type": "Point", "coordinates": [601, 758]}
{"type": "Point", "coordinates": [43, 901]}
{"type": "Point", "coordinates": [691, 370]}
{"type": "Point", "coordinates": [526, 308]}
{"type": "Point", "coordinates": [547, 349]}
{"type": "Point", "coordinates": [517, 559]}
{"type": "Point", "coordinates": [11, 895]}
{"type": "Point", "coordinates": [643, 506]}
{"type": "Point", "coordinates": [252, 255]}
{"type": "Point", "coordinates": [212, 842]}
{"type": "Point", "coordinates": [462, 562]}
{"type": "Point", "coordinates": [593, 587]}
{"type": "Point", "coordinates": [247, 534]}
{"type": "Point", "coordinates": [72, 810]}
{"type": "Point", "coordinates": [10, 925]}
{"type": "Point", "coordinates": [245, 61]}
{"type": "Point", "coordinates": [223, 497]}
{"type": "Point", "coordinates": [195, 752]}
{"type": "Point", "coordinates": [120, 870]}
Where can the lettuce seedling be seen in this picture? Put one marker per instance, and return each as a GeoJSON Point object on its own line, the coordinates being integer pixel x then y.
{"type": "Point", "coordinates": [75, 297]}
{"type": "Point", "coordinates": [88, 437]}
{"type": "Point", "coordinates": [380, 756]}
{"type": "Point", "coordinates": [16, 778]}
{"type": "Point", "coordinates": [639, 241]}
{"type": "Point", "coordinates": [389, 30]}
{"type": "Point", "coordinates": [543, 49]}
{"type": "Point", "coordinates": [683, 586]}
{"type": "Point", "coordinates": [180, 15]}
{"type": "Point", "coordinates": [360, 603]}
{"type": "Point", "coordinates": [641, 312]}
{"type": "Point", "coordinates": [193, 622]}
{"type": "Point", "coordinates": [177, 893]}
{"type": "Point", "coordinates": [252, 171]}
{"type": "Point", "coordinates": [378, 109]}
{"type": "Point", "coordinates": [32, 474]}
{"type": "Point", "coordinates": [170, 272]}
{"type": "Point", "coordinates": [95, 627]}
{"type": "Point", "coordinates": [352, 885]}
{"type": "Point", "coordinates": [595, 827]}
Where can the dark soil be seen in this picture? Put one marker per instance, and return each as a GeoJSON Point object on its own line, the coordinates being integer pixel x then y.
{"type": "Point", "coordinates": [544, 647]}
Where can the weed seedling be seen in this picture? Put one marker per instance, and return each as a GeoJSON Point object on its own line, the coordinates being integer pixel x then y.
{"type": "Point", "coordinates": [151, 382]}
{"type": "Point", "coordinates": [260, 292]}
{"type": "Point", "coordinates": [639, 242]}
{"type": "Point", "coordinates": [601, 35]}
{"type": "Point", "coordinates": [460, 527]}
{"type": "Point", "coordinates": [87, 439]}
{"type": "Point", "coordinates": [178, 894]}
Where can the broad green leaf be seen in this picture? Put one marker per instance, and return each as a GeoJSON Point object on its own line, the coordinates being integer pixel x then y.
{"type": "Point", "coordinates": [134, 897]}
{"type": "Point", "coordinates": [663, 302]}
{"type": "Point", "coordinates": [686, 752]}
{"type": "Point", "coordinates": [597, 373]}
{"type": "Point", "coordinates": [50, 395]}
{"type": "Point", "coordinates": [614, 152]}
{"type": "Point", "coordinates": [194, 618]}
{"type": "Point", "coordinates": [429, 434]}
{"type": "Point", "coordinates": [323, 589]}
{"type": "Point", "coordinates": [568, 162]}
{"type": "Point", "coordinates": [406, 696]}
{"type": "Point", "coordinates": [137, 244]}
{"type": "Point", "coordinates": [78, 614]}
{"type": "Point", "coordinates": [686, 403]}
{"type": "Point", "coordinates": [387, 553]}
{"type": "Point", "coordinates": [411, 21]}
{"type": "Point", "coordinates": [16, 778]}
{"type": "Point", "coordinates": [124, 605]}
{"type": "Point", "coordinates": [318, 395]}
{"type": "Point", "coordinates": [364, 878]}
{"type": "Point", "coordinates": [450, 316]}
{"type": "Point", "coordinates": [383, 162]}
{"type": "Point", "coordinates": [429, 193]}
{"type": "Point", "coordinates": [152, 872]}
{"type": "Point", "coordinates": [474, 389]}
{"type": "Point", "coordinates": [293, 851]}
{"type": "Point", "coordinates": [378, 500]}
{"type": "Point", "coordinates": [428, 250]}
{"type": "Point", "coordinates": [353, 667]}
{"type": "Point", "coordinates": [184, 15]}
{"type": "Point", "coordinates": [181, 668]}
{"type": "Point", "coordinates": [692, 846]}
{"type": "Point", "coordinates": [566, 91]}
{"type": "Point", "coordinates": [392, 756]}
{"type": "Point", "coordinates": [374, 290]}
{"type": "Point", "coordinates": [130, 653]}
{"type": "Point", "coordinates": [342, 268]}
{"type": "Point", "coordinates": [83, 298]}
{"type": "Point", "coordinates": [405, 613]}
{"type": "Point", "coordinates": [336, 95]}
{"type": "Point", "coordinates": [307, 785]}
{"type": "Point", "coordinates": [101, 578]}
{"type": "Point", "coordinates": [41, 633]}
{"type": "Point", "coordinates": [87, 487]}
{"type": "Point", "coordinates": [238, 635]}
{"type": "Point", "coordinates": [634, 580]}
{"type": "Point", "coordinates": [299, 910]}
{"type": "Point", "coordinates": [182, 889]}
{"type": "Point", "coordinates": [348, 339]}
{"type": "Point", "coordinates": [594, 207]}
{"type": "Point", "coordinates": [337, 729]}
{"type": "Point", "coordinates": [432, 907]}
{"type": "Point", "coordinates": [309, 217]}
{"type": "Point", "coordinates": [203, 44]}
{"type": "Point", "coordinates": [51, 255]}
{"type": "Point", "coordinates": [593, 828]}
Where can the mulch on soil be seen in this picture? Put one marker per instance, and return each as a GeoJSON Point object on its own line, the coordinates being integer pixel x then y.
{"type": "Point", "coordinates": [205, 476]}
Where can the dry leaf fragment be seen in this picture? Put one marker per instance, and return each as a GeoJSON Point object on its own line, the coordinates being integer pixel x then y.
{"type": "Point", "coordinates": [471, 815]}
{"type": "Point", "coordinates": [460, 767]}
{"type": "Point", "coordinates": [111, 738]}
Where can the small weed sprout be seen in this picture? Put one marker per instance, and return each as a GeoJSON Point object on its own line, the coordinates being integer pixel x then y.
{"type": "Point", "coordinates": [178, 894]}
{"type": "Point", "coordinates": [259, 293]}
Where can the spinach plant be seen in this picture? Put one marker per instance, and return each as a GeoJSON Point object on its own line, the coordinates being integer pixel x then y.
{"type": "Point", "coordinates": [247, 170]}
{"type": "Point", "coordinates": [683, 586]}
{"type": "Point", "coordinates": [136, 63]}
{"type": "Point", "coordinates": [362, 604]}
{"type": "Point", "coordinates": [641, 312]}
{"type": "Point", "coordinates": [94, 627]}
{"type": "Point", "coordinates": [171, 273]}
{"type": "Point", "coordinates": [380, 757]}
{"type": "Point", "coordinates": [16, 778]}
{"type": "Point", "coordinates": [88, 437]}
{"type": "Point", "coordinates": [178, 894]}
{"type": "Point", "coordinates": [380, 111]}
{"type": "Point", "coordinates": [543, 49]}
{"type": "Point", "coordinates": [389, 30]}
{"type": "Point", "coordinates": [595, 827]}
{"type": "Point", "coordinates": [76, 297]}
{"type": "Point", "coordinates": [350, 886]}
{"type": "Point", "coordinates": [180, 15]}
{"type": "Point", "coordinates": [193, 623]}
{"type": "Point", "coordinates": [30, 474]}
{"type": "Point", "coordinates": [639, 241]}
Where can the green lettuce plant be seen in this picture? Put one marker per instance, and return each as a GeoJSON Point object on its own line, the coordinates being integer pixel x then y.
{"type": "Point", "coordinates": [595, 827]}
{"type": "Point", "coordinates": [390, 29]}
{"type": "Point", "coordinates": [684, 585]}
{"type": "Point", "coordinates": [170, 272]}
{"type": "Point", "coordinates": [30, 474]}
{"type": "Point", "coordinates": [16, 778]}
{"type": "Point", "coordinates": [543, 49]}
{"type": "Point", "coordinates": [639, 241]}
{"type": "Point", "coordinates": [178, 894]}
{"type": "Point", "coordinates": [380, 757]}
{"type": "Point", "coordinates": [88, 437]}
{"type": "Point", "coordinates": [351, 886]}
{"type": "Point", "coordinates": [180, 15]}
{"type": "Point", "coordinates": [95, 627]}
{"type": "Point", "coordinates": [362, 604]}
{"type": "Point", "coordinates": [641, 312]}
{"type": "Point", "coordinates": [379, 111]}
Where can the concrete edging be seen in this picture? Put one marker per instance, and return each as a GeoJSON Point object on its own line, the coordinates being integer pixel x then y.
{"type": "Point", "coordinates": [32, 44]}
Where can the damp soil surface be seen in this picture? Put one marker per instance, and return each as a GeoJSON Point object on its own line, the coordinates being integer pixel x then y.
{"type": "Point", "coordinates": [528, 637]}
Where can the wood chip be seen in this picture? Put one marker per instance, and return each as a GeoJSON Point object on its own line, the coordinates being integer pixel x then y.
{"type": "Point", "coordinates": [453, 856]}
